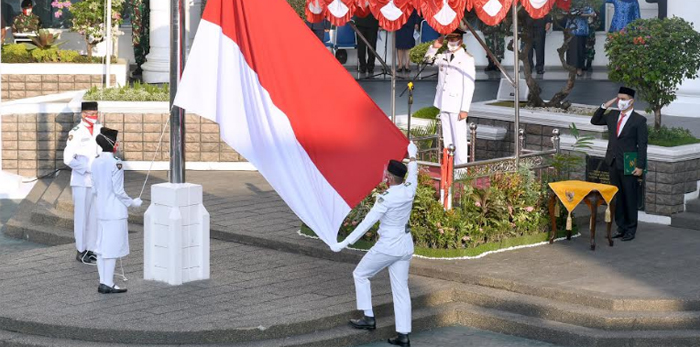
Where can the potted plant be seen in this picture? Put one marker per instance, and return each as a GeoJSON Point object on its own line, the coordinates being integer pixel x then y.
{"type": "Point", "coordinates": [654, 56]}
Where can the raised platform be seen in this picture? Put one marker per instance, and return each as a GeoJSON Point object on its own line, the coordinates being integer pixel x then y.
{"type": "Point", "coordinates": [272, 287]}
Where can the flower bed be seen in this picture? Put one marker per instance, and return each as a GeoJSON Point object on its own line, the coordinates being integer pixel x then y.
{"type": "Point", "coordinates": [137, 92]}
{"type": "Point", "coordinates": [510, 211]}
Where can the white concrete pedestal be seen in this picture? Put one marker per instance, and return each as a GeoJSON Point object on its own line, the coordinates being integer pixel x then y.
{"type": "Point", "coordinates": [176, 235]}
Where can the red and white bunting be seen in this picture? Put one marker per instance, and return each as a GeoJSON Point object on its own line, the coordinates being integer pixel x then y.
{"type": "Point", "coordinates": [538, 8]}
{"type": "Point", "coordinates": [391, 14]}
{"type": "Point", "coordinates": [339, 12]}
{"type": "Point", "coordinates": [362, 9]}
{"type": "Point", "coordinates": [492, 12]}
{"type": "Point", "coordinates": [444, 15]}
{"type": "Point", "coordinates": [315, 10]}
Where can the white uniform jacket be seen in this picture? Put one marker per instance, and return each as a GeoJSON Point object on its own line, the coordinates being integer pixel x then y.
{"type": "Point", "coordinates": [456, 78]}
{"type": "Point", "coordinates": [393, 211]}
{"type": "Point", "coordinates": [81, 149]}
{"type": "Point", "coordinates": [108, 186]}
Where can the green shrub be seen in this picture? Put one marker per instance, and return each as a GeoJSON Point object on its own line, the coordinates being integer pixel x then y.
{"type": "Point", "coordinates": [430, 112]}
{"type": "Point", "coordinates": [137, 92]}
{"type": "Point", "coordinates": [68, 56]}
{"type": "Point", "coordinates": [49, 55]}
{"type": "Point", "coordinates": [670, 137]}
{"type": "Point", "coordinates": [16, 53]}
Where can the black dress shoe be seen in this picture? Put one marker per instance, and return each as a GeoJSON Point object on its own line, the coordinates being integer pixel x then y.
{"type": "Point", "coordinates": [79, 256]}
{"type": "Point", "coordinates": [86, 259]}
{"type": "Point", "coordinates": [105, 289]}
{"type": "Point", "coordinates": [368, 323]}
{"type": "Point", "coordinates": [400, 340]}
{"type": "Point", "coordinates": [628, 237]}
{"type": "Point", "coordinates": [618, 235]}
{"type": "Point", "coordinates": [92, 256]}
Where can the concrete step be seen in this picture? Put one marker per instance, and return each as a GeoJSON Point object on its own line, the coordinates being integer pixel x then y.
{"type": "Point", "coordinates": [580, 315]}
{"type": "Point", "coordinates": [568, 334]}
{"type": "Point", "coordinates": [693, 206]}
{"type": "Point", "coordinates": [63, 219]}
{"type": "Point", "coordinates": [686, 220]}
{"type": "Point", "coordinates": [55, 189]}
{"type": "Point", "coordinates": [39, 233]}
{"type": "Point", "coordinates": [328, 328]}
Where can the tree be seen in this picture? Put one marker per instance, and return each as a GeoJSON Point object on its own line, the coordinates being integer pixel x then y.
{"type": "Point", "coordinates": [534, 98]}
{"type": "Point", "coordinates": [654, 56]}
{"type": "Point", "coordinates": [88, 20]}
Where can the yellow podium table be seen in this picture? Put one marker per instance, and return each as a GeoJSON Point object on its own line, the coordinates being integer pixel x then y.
{"type": "Point", "coordinates": [571, 193]}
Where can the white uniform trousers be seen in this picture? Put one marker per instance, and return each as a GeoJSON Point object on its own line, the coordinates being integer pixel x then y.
{"type": "Point", "coordinates": [84, 219]}
{"type": "Point", "coordinates": [370, 265]}
{"type": "Point", "coordinates": [454, 132]}
{"type": "Point", "coordinates": [105, 268]}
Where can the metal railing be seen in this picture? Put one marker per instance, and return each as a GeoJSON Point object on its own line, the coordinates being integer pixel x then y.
{"type": "Point", "coordinates": [535, 158]}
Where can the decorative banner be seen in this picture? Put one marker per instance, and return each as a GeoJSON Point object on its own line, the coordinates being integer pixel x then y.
{"type": "Point", "coordinates": [492, 12]}
{"type": "Point", "coordinates": [443, 15]}
{"type": "Point", "coordinates": [362, 9]}
{"type": "Point", "coordinates": [315, 10]}
{"type": "Point", "coordinates": [564, 4]}
{"type": "Point", "coordinates": [391, 14]}
{"type": "Point", "coordinates": [339, 12]}
{"type": "Point", "coordinates": [539, 8]}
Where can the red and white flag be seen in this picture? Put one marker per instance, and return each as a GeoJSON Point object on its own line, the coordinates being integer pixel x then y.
{"type": "Point", "coordinates": [284, 103]}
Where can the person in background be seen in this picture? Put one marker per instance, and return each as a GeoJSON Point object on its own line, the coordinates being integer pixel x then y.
{"type": "Point", "coordinates": [368, 27]}
{"type": "Point", "coordinates": [405, 41]}
{"type": "Point", "coordinates": [319, 29]}
{"type": "Point", "coordinates": [663, 7]}
{"type": "Point", "coordinates": [626, 11]}
{"type": "Point", "coordinates": [577, 23]}
{"type": "Point", "coordinates": [3, 30]}
{"type": "Point", "coordinates": [539, 29]}
{"type": "Point", "coordinates": [112, 215]}
{"type": "Point", "coordinates": [495, 37]}
{"type": "Point", "coordinates": [627, 133]}
{"type": "Point", "coordinates": [593, 24]}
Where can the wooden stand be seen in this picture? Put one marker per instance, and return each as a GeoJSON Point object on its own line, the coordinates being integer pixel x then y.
{"type": "Point", "coordinates": [593, 200]}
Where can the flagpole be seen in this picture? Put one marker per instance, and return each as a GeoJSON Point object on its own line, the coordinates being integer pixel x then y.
{"type": "Point", "coordinates": [393, 78]}
{"type": "Point", "coordinates": [516, 84]}
{"type": "Point", "coordinates": [177, 115]}
{"type": "Point", "coordinates": [108, 43]}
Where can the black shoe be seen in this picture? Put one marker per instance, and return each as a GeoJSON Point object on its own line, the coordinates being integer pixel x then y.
{"type": "Point", "coordinates": [370, 71]}
{"type": "Point", "coordinates": [105, 289]}
{"type": "Point", "coordinates": [86, 259]}
{"type": "Point", "coordinates": [628, 237]}
{"type": "Point", "coordinates": [79, 256]}
{"type": "Point", "coordinates": [618, 235]}
{"type": "Point", "coordinates": [400, 340]}
{"type": "Point", "coordinates": [540, 72]}
{"type": "Point", "coordinates": [92, 256]}
{"type": "Point", "coordinates": [368, 323]}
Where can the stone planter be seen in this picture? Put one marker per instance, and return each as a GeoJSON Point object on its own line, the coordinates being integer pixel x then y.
{"type": "Point", "coordinates": [34, 135]}
{"type": "Point", "coordinates": [31, 80]}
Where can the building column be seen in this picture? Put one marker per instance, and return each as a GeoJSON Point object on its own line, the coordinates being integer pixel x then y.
{"type": "Point", "coordinates": [194, 15]}
{"type": "Point", "coordinates": [688, 101]}
{"type": "Point", "coordinates": [157, 66]}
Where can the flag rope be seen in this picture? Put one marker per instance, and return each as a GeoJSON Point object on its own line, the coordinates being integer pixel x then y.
{"type": "Point", "coordinates": [160, 141]}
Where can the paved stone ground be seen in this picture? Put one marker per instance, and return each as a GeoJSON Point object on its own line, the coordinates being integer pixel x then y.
{"type": "Point", "coordinates": [465, 337]}
{"type": "Point", "coordinates": [249, 287]}
{"type": "Point", "coordinates": [7, 244]}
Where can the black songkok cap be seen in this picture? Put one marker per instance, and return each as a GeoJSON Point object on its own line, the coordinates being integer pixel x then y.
{"type": "Point", "coordinates": [107, 139]}
{"type": "Point", "coordinates": [628, 91]}
{"type": "Point", "coordinates": [89, 106]}
{"type": "Point", "coordinates": [397, 168]}
{"type": "Point", "coordinates": [457, 32]}
{"type": "Point", "coordinates": [27, 4]}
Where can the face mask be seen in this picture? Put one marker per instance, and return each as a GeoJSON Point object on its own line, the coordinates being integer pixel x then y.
{"type": "Point", "coordinates": [90, 120]}
{"type": "Point", "coordinates": [623, 104]}
{"type": "Point", "coordinates": [27, 11]}
{"type": "Point", "coordinates": [453, 45]}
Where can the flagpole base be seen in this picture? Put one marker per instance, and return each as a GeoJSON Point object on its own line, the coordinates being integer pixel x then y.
{"type": "Point", "coordinates": [176, 235]}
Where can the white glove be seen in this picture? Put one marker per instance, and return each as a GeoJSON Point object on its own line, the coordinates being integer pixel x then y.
{"type": "Point", "coordinates": [136, 202]}
{"type": "Point", "coordinates": [412, 150]}
{"type": "Point", "coordinates": [337, 247]}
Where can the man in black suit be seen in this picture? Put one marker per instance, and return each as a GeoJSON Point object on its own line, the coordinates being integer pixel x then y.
{"type": "Point", "coordinates": [368, 27]}
{"type": "Point", "coordinates": [539, 29]}
{"type": "Point", "coordinates": [627, 132]}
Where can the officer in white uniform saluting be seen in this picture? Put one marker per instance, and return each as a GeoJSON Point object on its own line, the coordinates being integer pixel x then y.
{"type": "Point", "coordinates": [81, 149]}
{"type": "Point", "coordinates": [394, 248]}
{"type": "Point", "coordinates": [112, 215]}
{"type": "Point", "coordinates": [455, 89]}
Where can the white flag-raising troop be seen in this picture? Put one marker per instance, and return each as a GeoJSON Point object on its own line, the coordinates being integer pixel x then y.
{"type": "Point", "coordinates": [322, 149]}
